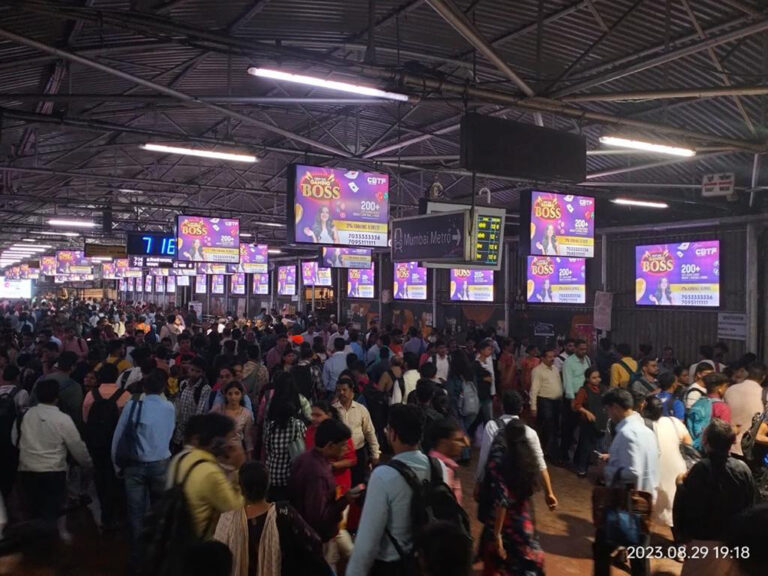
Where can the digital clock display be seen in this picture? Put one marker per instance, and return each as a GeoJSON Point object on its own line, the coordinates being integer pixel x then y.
{"type": "Point", "coordinates": [151, 244]}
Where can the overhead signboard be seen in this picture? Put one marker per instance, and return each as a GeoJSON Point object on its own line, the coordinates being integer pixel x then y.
{"type": "Point", "coordinates": [441, 236]}
{"type": "Point", "coordinates": [340, 207]}
{"type": "Point", "coordinates": [72, 262]}
{"type": "Point", "coordinates": [716, 185]}
{"type": "Point", "coordinates": [731, 326]}
{"type": "Point", "coordinates": [104, 251]}
{"type": "Point", "coordinates": [487, 234]}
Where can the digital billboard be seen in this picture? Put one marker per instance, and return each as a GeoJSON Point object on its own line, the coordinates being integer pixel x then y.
{"type": "Point", "coordinates": [562, 225]}
{"type": "Point", "coordinates": [410, 281]}
{"type": "Point", "coordinates": [170, 284]}
{"type": "Point", "coordinates": [217, 284]}
{"type": "Point", "coordinates": [201, 284]}
{"type": "Point", "coordinates": [260, 284]}
{"type": "Point", "coordinates": [200, 239]}
{"type": "Point", "coordinates": [72, 262]}
{"type": "Point", "coordinates": [48, 265]}
{"type": "Point", "coordinates": [286, 281]}
{"type": "Point", "coordinates": [15, 289]}
{"type": "Point", "coordinates": [237, 283]}
{"type": "Point", "coordinates": [254, 259]}
{"type": "Point", "coordinates": [680, 274]}
{"type": "Point", "coordinates": [471, 285]}
{"type": "Point", "coordinates": [346, 258]}
{"type": "Point", "coordinates": [361, 283]}
{"type": "Point", "coordinates": [556, 280]}
{"type": "Point", "coordinates": [139, 283]}
{"type": "Point", "coordinates": [212, 269]}
{"type": "Point", "coordinates": [334, 206]}
{"type": "Point", "coordinates": [313, 275]}
{"type": "Point", "coordinates": [148, 283]}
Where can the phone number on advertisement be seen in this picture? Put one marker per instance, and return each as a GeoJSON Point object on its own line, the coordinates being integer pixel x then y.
{"type": "Point", "coordinates": [357, 239]}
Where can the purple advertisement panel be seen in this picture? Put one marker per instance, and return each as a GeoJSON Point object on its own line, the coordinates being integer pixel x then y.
{"type": "Point", "coordinates": [48, 265]}
{"type": "Point", "coordinates": [562, 225]}
{"type": "Point", "coordinates": [361, 283]}
{"type": "Point", "coordinates": [254, 259]}
{"type": "Point", "coordinates": [159, 284]}
{"type": "Point", "coordinates": [121, 265]}
{"type": "Point", "coordinates": [212, 269]}
{"type": "Point", "coordinates": [140, 284]}
{"type": "Point", "coordinates": [108, 271]}
{"type": "Point", "coordinates": [201, 284]}
{"type": "Point", "coordinates": [686, 274]}
{"type": "Point", "coordinates": [312, 275]}
{"type": "Point", "coordinates": [410, 281]}
{"type": "Point", "coordinates": [123, 285]}
{"type": "Point", "coordinates": [72, 262]}
{"type": "Point", "coordinates": [13, 273]}
{"type": "Point", "coordinates": [346, 258]}
{"type": "Point", "coordinates": [336, 206]}
{"type": "Point", "coordinates": [217, 284]}
{"type": "Point", "coordinates": [471, 285]}
{"type": "Point", "coordinates": [556, 280]}
{"type": "Point", "coordinates": [148, 284]}
{"type": "Point", "coordinates": [237, 283]}
{"type": "Point", "coordinates": [286, 281]}
{"type": "Point", "coordinates": [129, 284]}
{"type": "Point", "coordinates": [261, 284]}
{"type": "Point", "coordinates": [170, 284]}
{"type": "Point", "coordinates": [202, 239]}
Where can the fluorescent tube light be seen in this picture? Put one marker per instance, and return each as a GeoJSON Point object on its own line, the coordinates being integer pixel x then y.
{"type": "Point", "coordinates": [647, 146]}
{"type": "Point", "coordinates": [72, 223]}
{"type": "Point", "coordinates": [640, 203]}
{"type": "Point", "coordinates": [28, 240]}
{"type": "Point", "coordinates": [272, 224]}
{"type": "Point", "coordinates": [246, 235]}
{"type": "Point", "coordinates": [329, 84]}
{"type": "Point", "coordinates": [274, 251]}
{"type": "Point", "coordinates": [199, 153]}
{"type": "Point", "coordinates": [51, 233]}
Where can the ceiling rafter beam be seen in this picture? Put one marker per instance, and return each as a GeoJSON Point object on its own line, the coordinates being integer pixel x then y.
{"type": "Point", "coordinates": [181, 96]}
{"type": "Point", "coordinates": [698, 93]}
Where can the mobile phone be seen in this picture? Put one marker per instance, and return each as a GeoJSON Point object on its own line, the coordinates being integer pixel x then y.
{"type": "Point", "coordinates": [357, 489]}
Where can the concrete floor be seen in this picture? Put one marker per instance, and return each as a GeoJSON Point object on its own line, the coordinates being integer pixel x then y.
{"type": "Point", "coordinates": [566, 536]}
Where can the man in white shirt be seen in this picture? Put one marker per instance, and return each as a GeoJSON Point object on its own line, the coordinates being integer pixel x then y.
{"type": "Point", "coordinates": [44, 438]}
{"type": "Point", "coordinates": [633, 459]}
{"type": "Point", "coordinates": [513, 406]}
{"type": "Point", "coordinates": [442, 361]}
{"type": "Point", "coordinates": [546, 401]}
{"type": "Point", "coordinates": [745, 400]}
{"type": "Point", "coordinates": [565, 353]}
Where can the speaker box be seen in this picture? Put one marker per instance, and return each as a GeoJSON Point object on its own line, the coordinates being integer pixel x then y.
{"type": "Point", "coordinates": [507, 148]}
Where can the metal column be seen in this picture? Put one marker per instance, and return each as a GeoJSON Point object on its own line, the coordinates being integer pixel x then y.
{"type": "Point", "coordinates": [506, 289]}
{"type": "Point", "coordinates": [751, 285]}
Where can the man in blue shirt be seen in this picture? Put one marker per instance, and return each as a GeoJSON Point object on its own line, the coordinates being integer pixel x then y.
{"type": "Point", "coordinates": [354, 344]}
{"type": "Point", "coordinates": [387, 509]}
{"type": "Point", "coordinates": [670, 405]}
{"type": "Point", "coordinates": [153, 418]}
{"type": "Point", "coordinates": [334, 366]}
{"type": "Point", "coordinates": [633, 459]}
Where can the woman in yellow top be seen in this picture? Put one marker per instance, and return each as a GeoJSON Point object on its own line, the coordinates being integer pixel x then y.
{"type": "Point", "coordinates": [210, 438]}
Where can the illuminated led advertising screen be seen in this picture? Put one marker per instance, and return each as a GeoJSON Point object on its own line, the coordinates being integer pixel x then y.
{"type": "Point", "coordinates": [556, 280]}
{"type": "Point", "coordinates": [471, 285]}
{"type": "Point", "coordinates": [361, 283]}
{"type": "Point", "coordinates": [286, 280]}
{"type": "Point", "coordinates": [562, 225]}
{"type": "Point", "coordinates": [679, 274]}
{"type": "Point", "coordinates": [410, 281]}
{"type": "Point", "coordinates": [200, 239]}
{"type": "Point", "coordinates": [333, 206]}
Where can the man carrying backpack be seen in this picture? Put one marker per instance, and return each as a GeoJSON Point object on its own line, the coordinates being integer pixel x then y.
{"type": "Point", "coordinates": [708, 407]}
{"type": "Point", "coordinates": [101, 411]}
{"type": "Point", "coordinates": [623, 371]}
{"type": "Point", "coordinates": [392, 518]}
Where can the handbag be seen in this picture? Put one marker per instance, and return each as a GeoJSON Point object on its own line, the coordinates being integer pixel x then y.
{"type": "Point", "coordinates": [297, 445]}
{"type": "Point", "coordinates": [621, 513]}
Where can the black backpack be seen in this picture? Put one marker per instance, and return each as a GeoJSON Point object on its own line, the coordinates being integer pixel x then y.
{"type": "Point", "coordinates": [101, 424]}
{"type": "Point", "coordinates": [169, 530]}
{"type": "Point", "coordinates": [432, 501]}
{"type": "Point", "coordinates": [8, 414]}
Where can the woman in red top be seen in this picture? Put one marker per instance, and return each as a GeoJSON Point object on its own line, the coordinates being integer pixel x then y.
{"type": "Point", "coordinates": [342, 469]}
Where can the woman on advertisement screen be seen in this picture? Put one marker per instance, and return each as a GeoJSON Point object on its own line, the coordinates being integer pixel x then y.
{"type": "Point", "coordinates": [548, 243]}
{"type": "Point", "coordinates": [323, 231]}
{"type": "Point", "coordinates": [546, 292]}
{"type": "Point", "coordinates": [663, 294]}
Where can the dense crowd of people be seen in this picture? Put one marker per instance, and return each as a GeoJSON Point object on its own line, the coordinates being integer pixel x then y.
{"type": "Point", "coordinates": [280, 446]}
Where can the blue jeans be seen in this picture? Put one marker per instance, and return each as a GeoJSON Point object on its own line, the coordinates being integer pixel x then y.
{"type": "Point", "coordinates": [144, 485]}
